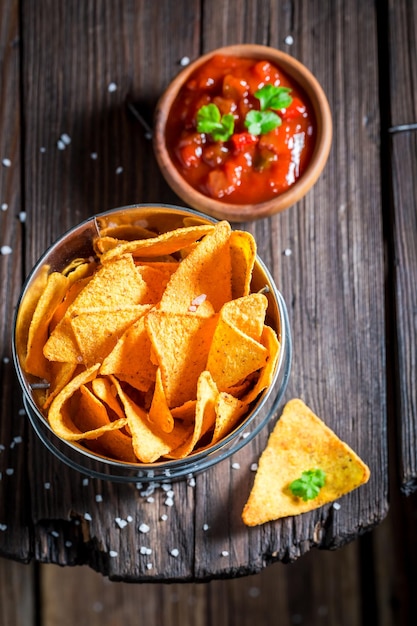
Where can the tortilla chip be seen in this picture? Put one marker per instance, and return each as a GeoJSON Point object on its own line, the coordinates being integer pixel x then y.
{"type": "Point", "coordinates": [300, 442]}
{"type": "Point", "coordinates": [181, 345]}
{"type": "Point", "coordinates": [205, 271]}
{"type": "Point", "coordinates": [161, 245]}
{"type": "Point", "coordinates": [106, 392]}
{"type": "Point", "coordinates": [159, 412]}
{"type": "Point", "coordinates": [243, 255]}
{"type": "Point", "coordinates": [52, 295]}
{"type": "Point", "coordinates": [229, 411]}
{"type": "Point", "coordinates": [266, 376]}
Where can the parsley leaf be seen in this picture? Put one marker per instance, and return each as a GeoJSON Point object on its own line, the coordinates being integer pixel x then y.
{"type": "Point", "coordinates": [261, 122]}
{"type": "Point", "coordinates": [271, 97]}
{"type": "Point", "coordinates": [309, 484]}
{"type": "Point", "coordinates": [210, 121]}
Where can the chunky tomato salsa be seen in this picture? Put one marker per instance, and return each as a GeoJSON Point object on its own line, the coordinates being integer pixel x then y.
{"type": "Point", "coordinates": [240, 130]}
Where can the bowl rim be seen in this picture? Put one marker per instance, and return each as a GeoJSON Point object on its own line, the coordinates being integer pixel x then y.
{"type": "Point", "coordinates": [235, 212]}
{"type": "Point", "coordinates": [100, 466]}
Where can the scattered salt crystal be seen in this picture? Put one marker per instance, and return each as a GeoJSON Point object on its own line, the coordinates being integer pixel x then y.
{"type": "Point", "coordinates": [12, 445]}
{"type": "Point", "coordinates": [145, 550]}
{"type": "Point", "coordinates": [164, 517]}
{"type": "Point", "coordinates": [289, 40]}
{"type": "Point", "coordinates": [88, 517]}
{"type": "Point", "coordinates": [184, 61]}
{"type": "Point", "coordinates": [99, 497]}
{"type": "Point", "coordinates": [191, 482]}
{"type": "Point", "coordinates": [6, 359]}
{"type": "Point", "coordinates": [94, 156]}
{"type": "Point", "coordinates": [170, 493]}
{"type": "Point", "coordinates": [129, 518]}
{"type": "Point", "coordinates": [85, 482]}
{"type": "Point", "coordinates": [6, 162]}
{"type": "Point", "coordinates": [9, 471]}
{"type": "Point", "coordinates": [225, 553]}
{"type": "Point", "coordinates": [3, 527]}
{"type": "Point", "coordinates": [336, 506]}
{"type": "Point", "coordinates": [235, 465]}
{"type": "Point", "coordinates": [42, 149]}
{"type": "Point", "coordinates": [6, 250]}
{"type": "Point", "coordinates": [149, 566]}
{"type": "Point", "coordinates": [22, 412]}
{"type": "Point", "coordinates": [2, 447]}
{"type": "Point", "coordinates": [120, 522]}
{"type": "Point", "coordinates": [287, 252]}
{"type": "Point", "coordinates": [17, 439]}
{"type": "Point", "coordinates": [205, 527]}
{"type": "Point", "coordinates": [54, 533]}
{"type": "Point", "coordinates": [245, 435]}
{"type": "Point", "coordinates": [66, 139]}
{"type": "Point", "coordinates": [174, 552]}
{"type": "Point", "coordinates": [47, 485]}
{"type": "Point", "coordinates": [166, 487]}
{"type": "Point", "coordinates": [253, 467]}
{"type": "Point", "coordinates": [113, 553]}
{"type": "Point", "coordinates": [119, 169]}
{"type": "Point", "coordinates": [60, 144]}
{"type": "Point", "coordinates": [169, 502]}
{"type": "Point", "coordinates": [22, 216]}
{"type": "Point", "coordinates": [144, 528]}
{"type": "Point", "coordinates": [4, 206]}
{"type": "Point", "coordinates": [150, 499]}
{"type": "Point", "coordinates": [68, 544]}
{"type": "Point", "coordinates": [111, 87]}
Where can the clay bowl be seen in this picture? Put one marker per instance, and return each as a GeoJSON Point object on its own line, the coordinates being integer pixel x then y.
{"type": "Point", "coordinates": [221, 208]}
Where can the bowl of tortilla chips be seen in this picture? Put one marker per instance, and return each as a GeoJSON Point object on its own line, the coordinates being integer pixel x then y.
{"type": "Point", "coordinates": [150, 341]}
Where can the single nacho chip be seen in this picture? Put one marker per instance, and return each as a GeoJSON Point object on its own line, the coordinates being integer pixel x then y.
{"type": "Point", "coordinates": [299, 442]}
{"type": "Point", "coordinates": [243, 255]}
{"type": "Point", "coordinates": [181, 344]}
{"type": "Point", "coordinates": [159, 412]}
{"type": "Point", "coordinates": [266, 375]}
{"type": "Point", "coordinates": [106, 392]}
{"type": "Point", "coordinates": [52, 296]}
{"type": "Point", "coordinates": [60, 374]}
{"type": "Point", "coordinates": [161, 245]}
{"type": "Point", "coordinates": [247, 314]}
{"type": "Point", "coordinates": [206, 270]}
{"type": "Point", "coordinates": [229, 410]}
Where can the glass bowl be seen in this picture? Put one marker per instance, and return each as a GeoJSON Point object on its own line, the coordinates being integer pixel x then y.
{"type": "Point", "coordinates": [78, 243]}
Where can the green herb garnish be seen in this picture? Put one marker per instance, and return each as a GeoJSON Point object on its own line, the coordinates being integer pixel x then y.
{"type": "Point", "coordinates": [261, 122]}
{"type": "Point", "coordinates": [271, 97]}
{"type": "Point", "coordinates": [212, 122]}
{"type": "Point", "coordinates": [309, 484]}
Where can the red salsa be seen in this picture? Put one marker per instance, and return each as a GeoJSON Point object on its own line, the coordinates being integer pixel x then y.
{"type": "Point", "coordinates": [248, 166]}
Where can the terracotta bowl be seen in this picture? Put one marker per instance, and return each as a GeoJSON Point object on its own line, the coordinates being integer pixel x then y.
{"type": "Point", "coordinates": [221, 209]}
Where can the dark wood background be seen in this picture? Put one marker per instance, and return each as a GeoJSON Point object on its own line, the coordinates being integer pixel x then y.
{"type": "Point", "coordinates": [348, 283]}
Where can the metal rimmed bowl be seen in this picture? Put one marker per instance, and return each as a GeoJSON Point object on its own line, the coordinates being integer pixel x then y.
{"type": "Point", "coordinates": [78, 243]}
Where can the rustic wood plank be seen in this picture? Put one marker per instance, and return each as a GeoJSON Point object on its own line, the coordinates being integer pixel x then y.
{"type": "Point", "coordinates": [14, 497]}
{"type": "Point", "coordinates": [403, 229]}
{"type": "Point", "coordinates": [71, 55]}
{"type": "Point", "coordinates": [17, 594]}
{"type": "Point", "coordinates": [333, 284]}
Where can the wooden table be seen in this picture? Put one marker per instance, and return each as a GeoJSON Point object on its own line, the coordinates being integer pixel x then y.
{"type": "Point", "coordinates": [67, 71]}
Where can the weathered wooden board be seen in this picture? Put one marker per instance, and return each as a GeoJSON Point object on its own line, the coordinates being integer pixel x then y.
{"type": "Point", "coordinates": [332, 280]}
{"type": "Point", "coordinates": [403, 228]}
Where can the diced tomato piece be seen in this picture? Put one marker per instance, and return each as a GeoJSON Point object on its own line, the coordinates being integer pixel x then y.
{"type": "Point", "coordinates": [190, 149]}
{"type": "Point", "coordinates": [234, 87]}
{"type": "Point", "coordinates": [218, 184]}
{"type": "Point", "coordinates": [274, 140]}
{"type": "Point", "coordinates": [215, 154]}
{"type": "Point", "coordinates": [241, 141]}
{"type": "Point", "coordinates": [295, 109]}
{"type": "Point", "coordinates": [226, 105]}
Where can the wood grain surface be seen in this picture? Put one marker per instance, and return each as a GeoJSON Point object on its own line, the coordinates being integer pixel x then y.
{"type": "Point", "coordinates": [57, 77]}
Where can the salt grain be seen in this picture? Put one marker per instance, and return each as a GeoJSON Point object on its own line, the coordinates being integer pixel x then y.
{"type": "Point", "coordinates": [88, 517]}
{"type": "Point", "coordinates": [191, 482]}
{"type": "Point", "coordinates": [205, 527]}
{"type": "Point", "coordinates": [145, 550]}
{"type": "Point", "coordinates": [120, 522]}
{"type": "Point", "coordinates": [66, 139]}
{"type": "Point", "coordinates": [85, 482]}
{"type": "Point", "coordinates": [47, 485]}
{"type": "Point", "coordinates": [149, 565]}
{"type": "Point", "coordinates": [287, 252]}
{"type": "Point", "coordinates": [253, 467]}
{"type": "Point", "coordinates": [94, 156]}
{"type": "Point", "coordinates": [336, 506]}
{"type": "Point", "coordinates": [9, 471]}
{"type": "Point", "coordinates": [111, 87]}
{"type": "Point", "coordinates": [119, 169]}
{"type": "Point", "coordinates": [164, 517]}
{"type": "Point", "coordinates": [144, 528]}
{"type": "Point", "coordinates": [174, 552]}
{"type": "Point", "coordinates": [6, 250]}
{"type": "Point", "coordinates": [235, 465]}
{"type": "Point", "coordinates": [169, 502]}
{"type": "Point", "coordinates": [42, 149]}
{"type": "Point", "coordinates": [22, 216]}
{"type": "Point", "coordinates": [289, 40]}
{"type": "Point", "coordinates": [68, 544]}
{"type": "Point", "coordinates": [99, 498]}
{"type": "Point", "coordinates": [6, 162]}
{"type": "Point", "coordinates": [225, 553]}
{"type": "Point", "coordinates": [184, 61]}
{"type": "Point", "coordinates": [55, 533]}
{"type": "Point", "coordinates": [4, 206]}
{"type": "Point", "coordinates": [60, 144]}
{"type": "Point", "coordinates": [6, 360]}
{"type": "Point", "coordinates": [113, 553]}
{"type": "Point", "coordinates": [3, 527]}
{"type": "Point", "coordinates": [150, 499]}
{"type": "Point", "coordinates": [17, 439]}
{"type": "Point", "coordinates": [129, 518]}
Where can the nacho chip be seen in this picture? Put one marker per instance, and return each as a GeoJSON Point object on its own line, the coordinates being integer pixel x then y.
{"type": "Point", "coordinates": [243, 255]}
{"type": "Point", "coordinates": [229, 411]}
{"type": "Point", "coordinates": [161, 245]}
{"type": "Point", "coordinates": [247, 314]}
{"type": "Point", "coordinates": [103, 389]}
{"type": "Point", "coordinates": [53, 294]}
{"type": "Point", "coordinates": [181, 344]}
{"type": "Point", "coordinates": [159, 412]}
{"type": "Point", "coordinates": [266, 376]}
{"type": "Point", "coordinates": [299, 442]}
{"type": "Point", "coordinates": [205, 271]}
